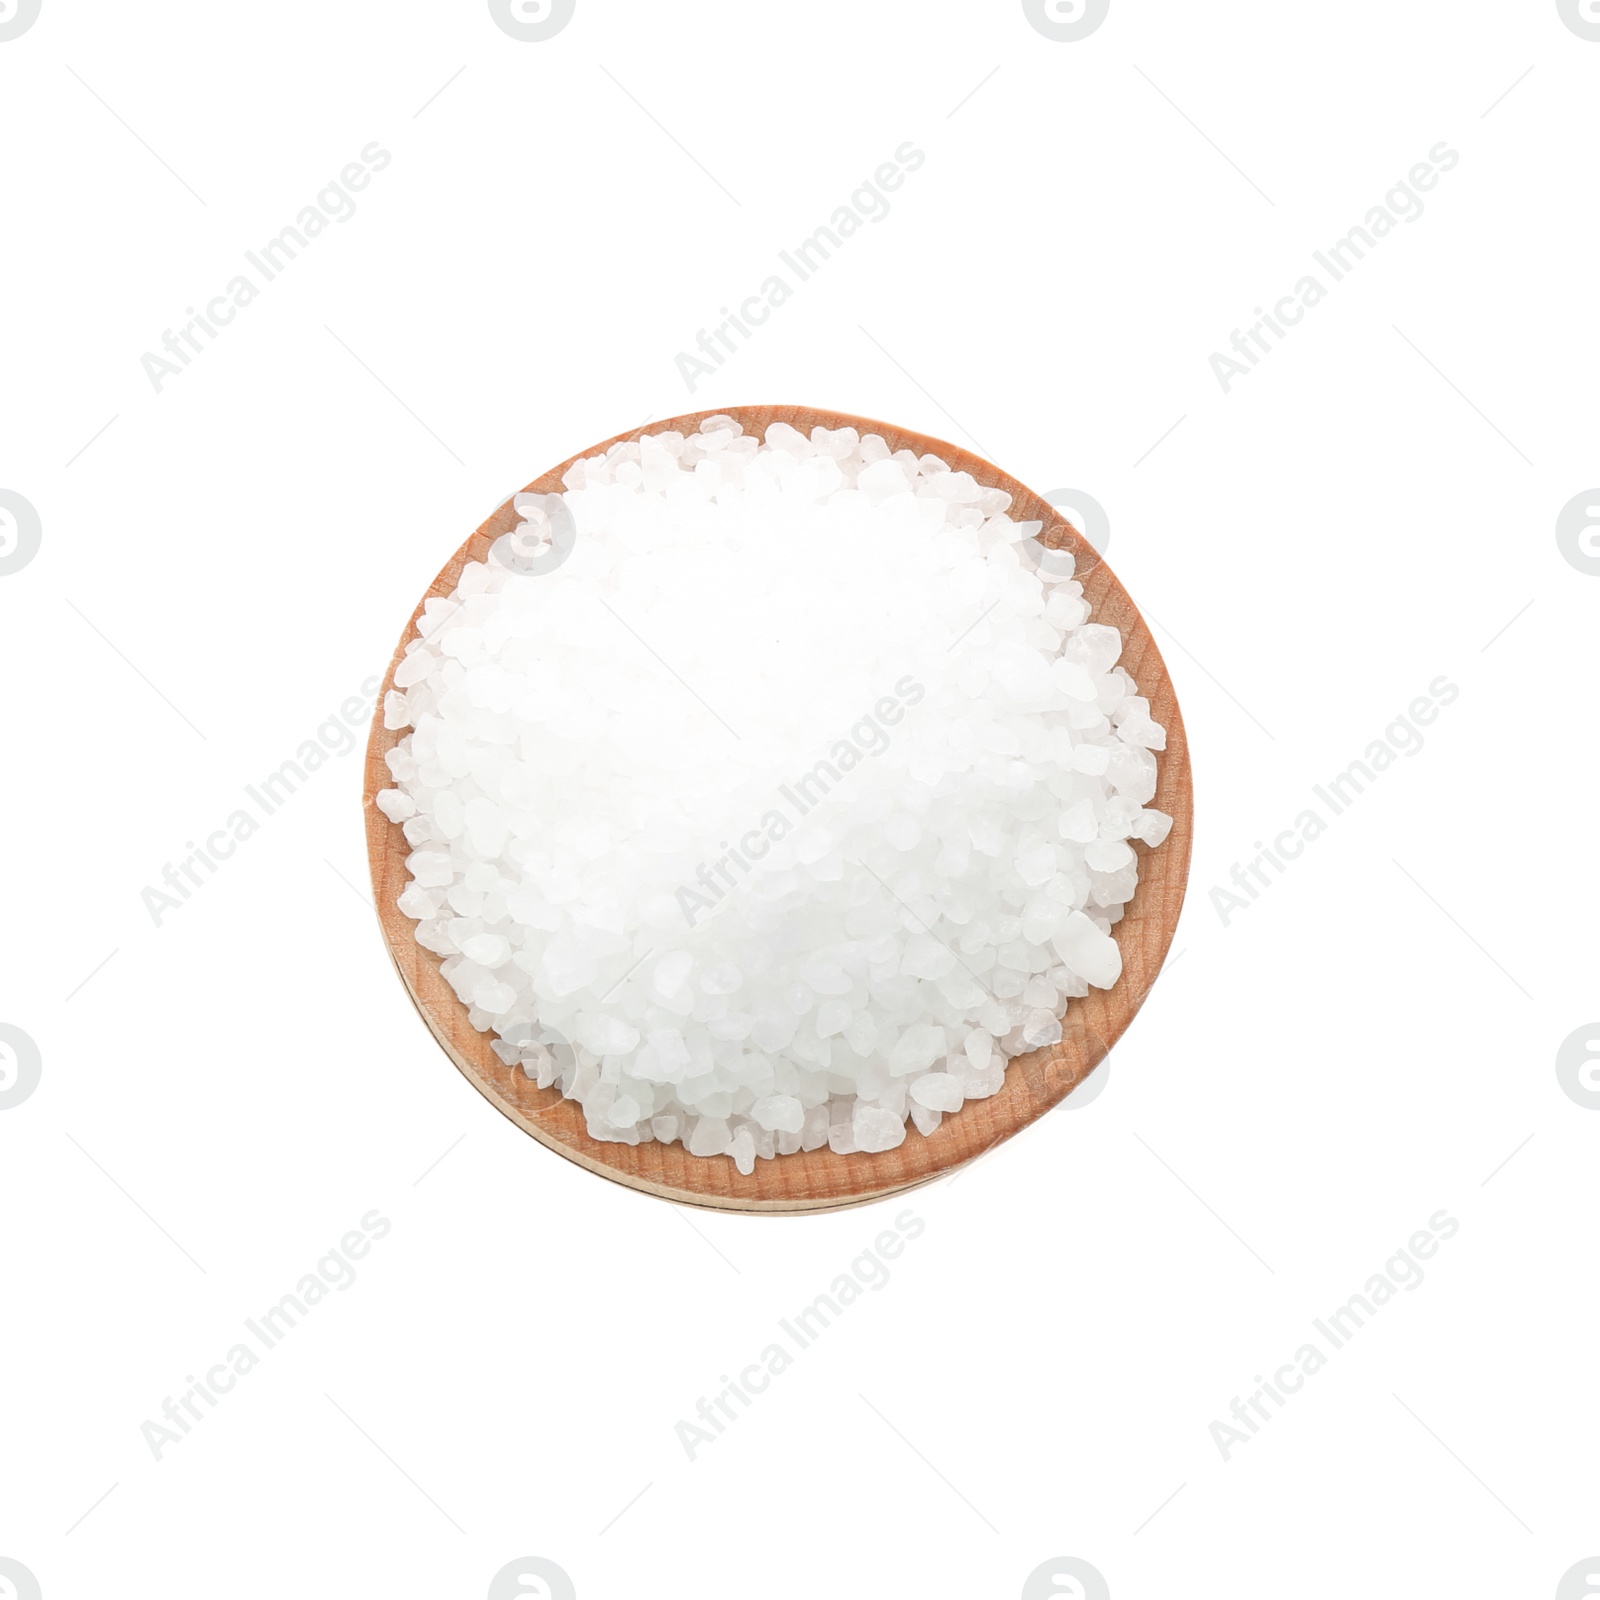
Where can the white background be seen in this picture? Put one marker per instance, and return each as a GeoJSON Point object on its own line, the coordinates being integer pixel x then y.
{"type": "Point", "coordinates": [1374, 1039]}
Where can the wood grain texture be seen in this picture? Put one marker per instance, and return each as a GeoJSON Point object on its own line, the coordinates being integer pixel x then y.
{"type": "Point", "coordinates": [819, 1180]}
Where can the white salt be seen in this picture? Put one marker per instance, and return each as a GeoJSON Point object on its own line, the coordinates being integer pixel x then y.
{"type": "Point", "coordinates": [766, 796]}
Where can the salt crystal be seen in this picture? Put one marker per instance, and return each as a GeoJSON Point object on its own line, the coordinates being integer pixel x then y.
{"type": "Point", "coordinates": [978, 1083]}
{"type": "Point", "coordinates": [1107, 855]}
{"type": "Point", "coordinates": [396, 805]}
{"type": "Point", "coordinates": [917, 1047]}
{"type": "Point", "coordinates": [417, 902]}
{"type": "Point", "coordinates": [742, 1147]}
{"type": "Point", "coordinates": [842, 1139]}
{"type": "Point", "coordinates": [606, 1035]}
{"type": "Point", "coordinates": [814, 1131]}
{"type": "Point", "coordinates": [671, 1052]}
{"type": "Point", "coordinates": [1083, 948]}
{"type": "Point", "coordinates": [1073, 679]}
{"type": "Point", "coordinates": [1041, 1028]}
{"type": "Point", "coordinates": [670, 973]}
{"type": "Point", "coordinates": [1079, 822]}
{"type": "Point", "coordinates": [1039, 992]}
{"type": "Point", "coordinates": [487, 949]}
{"type": "Point", "coordinates": [1037, 865]}
{"type": "Point", "coordinates": [1152, 827]}
{"type": "Point", "coordinates": [709, 1136]}
{"type": "Point", "coordinates": [937, 1091]}
{"type": "Point", "coordinates": [876, 1129]}
{"type": "Point", "coordinates": [779, 1111]}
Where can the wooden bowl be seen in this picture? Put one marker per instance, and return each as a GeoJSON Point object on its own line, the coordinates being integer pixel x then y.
{"type": "Point", "coordinates": [819, 1180]}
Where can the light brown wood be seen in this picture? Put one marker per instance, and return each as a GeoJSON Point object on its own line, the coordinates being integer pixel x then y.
{"type": "Point", "coordinates": [819, 1180]}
